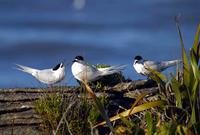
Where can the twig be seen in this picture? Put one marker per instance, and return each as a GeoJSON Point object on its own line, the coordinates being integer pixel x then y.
{"type": "Point", "coordinates": [68, 126]}
{"type": "Point", "coordinates": [64, 115]}
{"type": "Point", "coordinates": [92, 129]}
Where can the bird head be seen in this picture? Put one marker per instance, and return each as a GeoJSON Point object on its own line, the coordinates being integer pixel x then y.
{"type": "Point", "coordinates": [137, 59]}
{"type": "Point", "coordinates": [78, 58]}
{"type": "Point", "coordinates": [59, 66]}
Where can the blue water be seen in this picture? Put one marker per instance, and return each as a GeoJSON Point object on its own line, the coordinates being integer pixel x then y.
{"type": "Point", "coordinates": [42, 33]}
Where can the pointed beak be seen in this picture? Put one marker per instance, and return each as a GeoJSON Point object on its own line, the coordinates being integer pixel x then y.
{"type": "Point", "coordinates": [75, 60]}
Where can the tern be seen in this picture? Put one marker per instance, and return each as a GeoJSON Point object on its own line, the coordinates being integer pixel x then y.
{"type": "Point", "coordinates": [141, 66]}
{"type": "Point", "coordinates": [83, 71]}
{"type": "Point", "coordinates": [47, 76]}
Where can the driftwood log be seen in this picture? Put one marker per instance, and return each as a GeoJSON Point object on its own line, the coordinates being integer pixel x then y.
{"type": "Point", "coordinates": [18, 116]}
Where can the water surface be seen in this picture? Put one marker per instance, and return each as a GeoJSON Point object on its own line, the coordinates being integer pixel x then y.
{"type": "Point", "coordinates": [42, 33]}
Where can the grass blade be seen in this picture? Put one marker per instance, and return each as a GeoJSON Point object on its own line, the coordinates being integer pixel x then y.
{"type": "Point", "coordinates": [127, 122]}
{"type": "Point", "coordinates": [149, 122]}
{"type": "Point", "coordinates": [159, 76]}
{"type": "Point", "coordinates": [196, 45]}
{"type": "Point", "coordinates": [184, 58]}
{"type": "Point", "coordinates": [193, 116]}
{"type": "Point", "coordinates": [195, 91]}
{"type": "Point", "coordinates": [160, 79]}
{"type": "Point", "coordinates": [177, 93]}
{"type": "Point", "coordinates": [137, 100]}
{"type": "Point", "coordinates": [99, 106]}
{"type": "Point", "coordinates": [136, 109]}
{"type": "Point", "coordinates": [194, 64]}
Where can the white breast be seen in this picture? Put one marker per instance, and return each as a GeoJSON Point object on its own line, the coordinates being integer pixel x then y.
{"type": "Point", "coordinates": [83, 72]}
{"type": "Point", "coordinates": [140, 69]}
{"type": "Point", "coordinates": [77, 70]}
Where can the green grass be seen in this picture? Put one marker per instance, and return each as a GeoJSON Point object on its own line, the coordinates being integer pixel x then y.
{"type": "Point", "coordinates": [49, 108]}
{"type": "Point", "coordinates": [65, 115]}
{"type": "Point", "coordinates": [182, 93]}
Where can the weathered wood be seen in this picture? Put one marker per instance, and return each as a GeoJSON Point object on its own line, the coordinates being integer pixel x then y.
{"type": "Point", "coordinates": [22, 130]}
{"type": "Point", "coordinates": [10, 107]}
{"type": "Point", "coordinates": [17, 114]}
{"type": "Point", "coordinates": [135, 93]}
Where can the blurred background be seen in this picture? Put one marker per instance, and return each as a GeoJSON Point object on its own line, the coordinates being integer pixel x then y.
{"type": "Point", "coordinates": [41, 33]}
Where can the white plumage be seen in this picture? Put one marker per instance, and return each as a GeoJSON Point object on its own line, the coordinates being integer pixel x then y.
{"type": "Point", "coordinates": [141, 66]}
{"type": "Point", "coordinates": [82, 71]}
{"type": "Point", "coordinates": [47, 76]}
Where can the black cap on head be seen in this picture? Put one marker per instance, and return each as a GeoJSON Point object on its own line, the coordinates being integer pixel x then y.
{"type": "Point", "coordinates": [57, 67]}
{"type": "Point", "coordinates": [138, 57]}
{"type": "Point", "coordinates": [79, 58]}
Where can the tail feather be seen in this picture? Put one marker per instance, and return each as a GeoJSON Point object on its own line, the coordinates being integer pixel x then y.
{"type": "Point", "coordinates": [111, 70]}
{"type": "Point", "coordinates": [171, 63]}
{"type": "Point", "coordinates": [26, 69]}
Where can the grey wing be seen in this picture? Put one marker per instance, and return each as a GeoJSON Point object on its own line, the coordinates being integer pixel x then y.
{"type": "Point", "coordinates": [89, 68]}
{"type": "Point", "coordinates": [45, 75]}
{"type": "Point", "coordinates": [155, 65]}
{"type": "Point", "coordinates": [90, 72]}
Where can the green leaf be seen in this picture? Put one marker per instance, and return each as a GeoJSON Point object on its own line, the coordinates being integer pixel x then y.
{"type": "Point", "coordinates": [158, 74]}
{"type": "Point", "coordinates": [194, 65]}
{"type": "Point", "coordinates": [136, 109]}
{"type": "Point", "coordinates": [127, 122]}
{"type": "Point", "coordinates": [137, 100]}
{"type": "Point", "coordinates": [149, 122]}
{"type": "Point", "coordinates": [182, 130]}
{"type": "Point", "coordinates": [195, 91]}
{"type": "Point", "coordinates": [159, 78]}
{"type": "Point", "coordinates": [167, 129]}
{"type": "Point", "coordinates": [99, 106]}
{"type": "Point", "coordinates": [193, 116]}
{"type": "Point", "coordinates": [184, 58]}
{"type": "Point", "coordinates": [193, 104]}
{"type": "Point", "coordinates": [196, 45]}
{"type": "Point", "coordinates": [177, 93]}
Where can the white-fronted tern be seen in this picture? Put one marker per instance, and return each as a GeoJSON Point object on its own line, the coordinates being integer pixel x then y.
{"type": "Point", "coordinates": [83, 71]}
{"type": "Point", "coordinates": [141, 66]}
{"type": "Point", "coordinates": [47, 76]}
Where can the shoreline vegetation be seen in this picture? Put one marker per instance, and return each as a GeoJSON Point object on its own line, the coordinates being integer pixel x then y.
{"type": "Point", "coordinates": [20, 109]}
{"type": "Point", "coordinates": [161, 105]}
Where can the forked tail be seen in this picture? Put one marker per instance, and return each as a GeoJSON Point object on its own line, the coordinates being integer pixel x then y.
{"type": "Point", "coordinates": [26, 69]}
{"type": "Point", "coordinates": [171, 63]}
